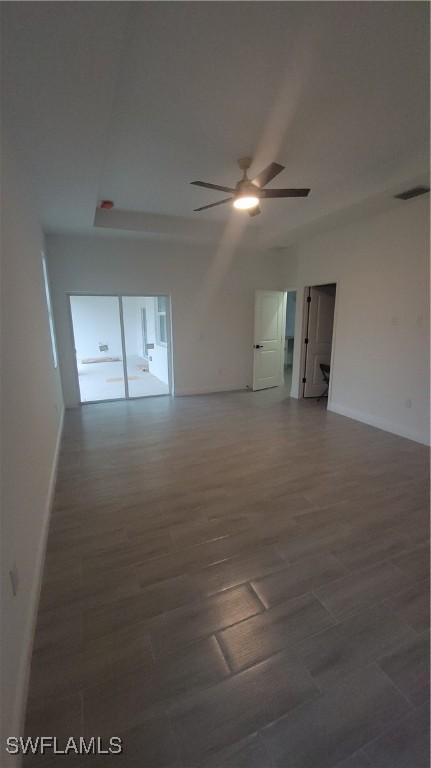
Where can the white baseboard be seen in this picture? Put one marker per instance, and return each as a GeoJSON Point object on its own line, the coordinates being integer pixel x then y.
{"type": "Point", "coordinates": [379, 423]}
{"type": "Point", "coordinates": [24, 673]}
{"type": "Point", "coordinates": [185, 392]}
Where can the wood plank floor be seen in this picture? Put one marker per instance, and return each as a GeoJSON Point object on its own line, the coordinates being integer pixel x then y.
{"type": "Point", "coordinates": [235, 581]}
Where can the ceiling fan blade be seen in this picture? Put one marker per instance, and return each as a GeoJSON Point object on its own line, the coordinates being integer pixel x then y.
{"type": "Point", "coordinates": [212, 186]}
{"type": "Point", "coordinates": [267, 193]}
{"type": "Point", "coordinates": [254, 211]}
{"type": "Point", "coordinates": [269, 173]}
{"type": "Point", "coordinates": [211, 205]}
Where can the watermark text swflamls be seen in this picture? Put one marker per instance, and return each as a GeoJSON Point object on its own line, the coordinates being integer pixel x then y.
{"type": "Point", "coordinates": [43, 745]}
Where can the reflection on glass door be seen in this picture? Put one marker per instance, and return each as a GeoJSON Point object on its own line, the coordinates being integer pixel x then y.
{"type": "Point", "coordinates": [98, 347]}
{"type": "Point", "coordinates": [145, 320]}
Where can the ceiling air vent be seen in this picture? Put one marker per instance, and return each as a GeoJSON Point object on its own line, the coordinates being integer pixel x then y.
{"type": "Point", "coordinates": [414, 192]}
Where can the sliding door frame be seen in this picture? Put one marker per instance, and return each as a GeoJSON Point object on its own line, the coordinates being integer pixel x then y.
{"type": "Point", "coordinates": [123, 348]}
{"type": "Point", "coordinates": [120, 297]}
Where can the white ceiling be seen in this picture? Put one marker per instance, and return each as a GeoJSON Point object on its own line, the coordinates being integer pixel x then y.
{"type": "Point", "coordinates": [132, 101]}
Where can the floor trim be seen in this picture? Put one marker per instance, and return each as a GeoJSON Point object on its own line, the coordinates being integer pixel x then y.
{"type": "Point", "coordinates": [376, 421]}
{"type": "Point", "coordinates": [184, 391]}
{"type": "Point", "coordinates": [18, 720]}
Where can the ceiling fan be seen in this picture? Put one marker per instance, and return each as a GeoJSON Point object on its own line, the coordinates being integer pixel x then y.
{"type": "Point", "coordinates": [248, 192]}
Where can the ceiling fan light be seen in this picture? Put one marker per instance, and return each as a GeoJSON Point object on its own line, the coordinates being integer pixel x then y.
{"type": "Point", "coordinates": [245, 202]}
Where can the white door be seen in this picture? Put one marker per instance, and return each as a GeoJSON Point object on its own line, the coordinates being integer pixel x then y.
{"type": "Point", "coordinates": [268, 339]}
{"type": "Point", "coordinates": [319, 328]}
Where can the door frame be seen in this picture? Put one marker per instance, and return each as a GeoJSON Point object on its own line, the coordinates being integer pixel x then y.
{"type": "Point", "coordinates": [303, 346]}
{"type": "Point", "coordinates": [120, 297]}
{"type": "Point", "coordinates": [295, 338]}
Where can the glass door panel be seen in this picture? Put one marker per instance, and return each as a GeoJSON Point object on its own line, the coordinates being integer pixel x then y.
{"type": "Point", "coordinates": [145, 322]}
{"type": "Point", "coordinates": [98, 347]}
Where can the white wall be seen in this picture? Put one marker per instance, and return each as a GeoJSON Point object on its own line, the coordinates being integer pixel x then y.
{"type": "Point", "coordinates": [381, 352]}
{"type": "Point", "coordinates": [212, 295]}
{"type": "Point", "coordinates": [31, 416]}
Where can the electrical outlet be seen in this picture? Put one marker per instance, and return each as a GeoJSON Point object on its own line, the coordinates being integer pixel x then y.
{"type": "Point", "coordinates": [14, 579]}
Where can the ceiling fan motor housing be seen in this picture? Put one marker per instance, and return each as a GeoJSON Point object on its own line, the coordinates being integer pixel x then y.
{"type": "Point", "coordinates": [246, 187]}
{"type": "Point", "coordinates": [244, 163]}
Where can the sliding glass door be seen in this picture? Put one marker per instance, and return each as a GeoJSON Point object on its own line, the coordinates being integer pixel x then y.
{"type": "Point", "coordinates": [98, 347]}
{"type": "Point", "coordinates": [121, 346]}
{"type": "Point", "coordinates": [146, 345]}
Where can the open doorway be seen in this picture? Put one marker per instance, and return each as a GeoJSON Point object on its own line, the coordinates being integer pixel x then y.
{"type": "Point", "coordinates": [318, 339]}
{"type": "Point", "coordinates": [289, 337]}
{"type": "Point", "coordinates": [121, 346]}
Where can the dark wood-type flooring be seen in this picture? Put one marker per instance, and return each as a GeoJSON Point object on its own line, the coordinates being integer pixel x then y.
{"type": "Point", "coordinates": [235, 581]}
